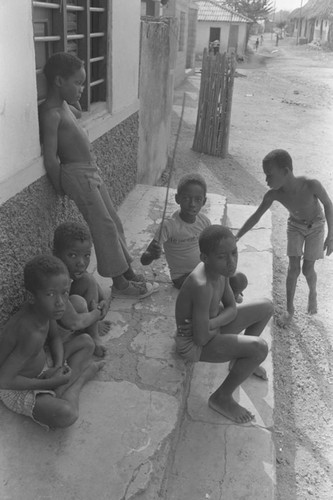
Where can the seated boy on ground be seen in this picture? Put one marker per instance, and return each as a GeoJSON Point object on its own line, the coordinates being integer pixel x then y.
{"type": "Point", "coordinates": [180, 234]}
{"type": "Point", "coordinates": [48, 395]}
{"type": "Point", "coordinates": [208, 321]}
{"type": "Point", "coordinates": [72, 244]}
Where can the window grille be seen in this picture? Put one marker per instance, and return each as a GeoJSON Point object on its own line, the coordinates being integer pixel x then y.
{"type": "Point", "coordinates": [80, 28]}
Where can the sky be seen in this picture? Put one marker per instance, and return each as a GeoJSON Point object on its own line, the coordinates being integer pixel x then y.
{"type": "Point", "coordinates": [287, 4]}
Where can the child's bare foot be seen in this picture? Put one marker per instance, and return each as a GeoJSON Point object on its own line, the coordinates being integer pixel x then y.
{"type": "Point", "coordinates": [228, 407]}
{"type": "Point", "coordinates": [312, 303]}
{"type": "Point", "coordinates": [260, 372]}
{"type": "Point", "coordinates": [93, 369]}
{"type": "Point", "coordinates": [100, 349]}
{"type": "Point", "coordinates": [104, 327]}
{"type": "Point", "coordinates": [285, 319]}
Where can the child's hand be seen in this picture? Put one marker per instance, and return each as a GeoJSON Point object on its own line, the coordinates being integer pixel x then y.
{"type": "Point", "coordinates": [104, 306]}
{"type": "Point", "coordinates": [155, 249]}
{"type": "Point", "coordinates": [328, 245]}
{"type": "Point", "coordinates": [185, 330]}
{"type": "Point", "coordinates": [60, 375]}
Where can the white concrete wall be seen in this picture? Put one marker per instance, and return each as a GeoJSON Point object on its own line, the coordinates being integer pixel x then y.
{"type": "Point", "coordinates": [19, 136]}
{"type": "Point", "coordinates": [125, 47]}
{"type": "Point", "coordinates": [21, 162]}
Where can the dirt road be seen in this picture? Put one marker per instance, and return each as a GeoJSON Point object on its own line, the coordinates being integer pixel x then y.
{"type": "Point", "coordinates": [283, 100]}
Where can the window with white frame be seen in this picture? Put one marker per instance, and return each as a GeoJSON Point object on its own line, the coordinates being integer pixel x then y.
{"type": "Point", "coordinates": [78, 27]}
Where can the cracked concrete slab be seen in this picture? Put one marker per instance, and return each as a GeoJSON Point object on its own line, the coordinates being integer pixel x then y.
{"type": "Point", "coordinates": [107, 454]}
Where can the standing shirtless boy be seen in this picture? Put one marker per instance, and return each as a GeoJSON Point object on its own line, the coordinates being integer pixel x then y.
{"type": "Point", "coordinates": [69, 164]}
{"type": "Point", "coordinates": [208, 321]}
{"type": "Point", "coordinates": [306, 223]}
{"type": "Point", "coordinates": [50, 396]}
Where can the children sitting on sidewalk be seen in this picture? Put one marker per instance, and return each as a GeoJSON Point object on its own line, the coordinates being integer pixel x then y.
{"type": "Point", "coordinates": [72, 244]}
{"type": "Point", "coordinates": [208, 321]}
{"type": "Point", "coordinates": [70, 166]}
{"type": "Point", "coordinates": [28, 386]}
{"type": "Point", "coordinates": [180, 234]}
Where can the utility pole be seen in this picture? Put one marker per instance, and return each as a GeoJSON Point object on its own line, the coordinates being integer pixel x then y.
{"type": "Point", "coordinates": [299, 30]}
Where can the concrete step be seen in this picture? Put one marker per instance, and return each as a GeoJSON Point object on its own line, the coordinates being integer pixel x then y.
{"type": "Point", "coordinates": [122, 445]}
{"type": "Point", "coordinates": [214, 457]}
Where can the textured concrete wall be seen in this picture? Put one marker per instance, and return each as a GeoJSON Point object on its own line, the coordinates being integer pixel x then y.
{"type": "Point", "coordinates": [28, 220]}
{"type": "Point", "coordinates": [158, 49]}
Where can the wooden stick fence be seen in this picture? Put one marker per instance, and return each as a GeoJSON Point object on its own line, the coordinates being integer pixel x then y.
{"type": "Point", "coordinates": [214, 108]}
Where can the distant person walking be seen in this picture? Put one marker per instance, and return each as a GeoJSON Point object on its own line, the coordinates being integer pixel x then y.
{"type": "Point", "coordinates": [261, 39]}
{"type": "Point", "coordinates": [276, 39]}
{"type": "Point", "coordinates": [256, 44]}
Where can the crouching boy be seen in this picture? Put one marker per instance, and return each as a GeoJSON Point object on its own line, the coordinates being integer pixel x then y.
{"type": "Point", "coordinates": [48, 395]}
{"type": "Point", "coordinates": [208, 321]}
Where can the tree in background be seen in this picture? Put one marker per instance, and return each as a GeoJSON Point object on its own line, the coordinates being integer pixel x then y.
{"type": "Point", "coordinates": [254, 9]}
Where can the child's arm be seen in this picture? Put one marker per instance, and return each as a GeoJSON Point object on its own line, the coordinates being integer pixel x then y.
{"type": "Point", "coordinates": [252, 221]}
{"type": "Point", "coordinates": [200, 318]}
{"type": "Point", "coordinates": [55, 345]}
{"type": "Point", "coordinates": [229, 311]}
{"type": "Point", "coordinates": [153, 252]}
{"type": "Point", "coordinates": [17, 361]}
{"type": "Point", "coordinates": [49, 128]}
{"type": "Point", "coordinates": [79, 321]}
{"type": "Point", "coordinates": [320, 192]}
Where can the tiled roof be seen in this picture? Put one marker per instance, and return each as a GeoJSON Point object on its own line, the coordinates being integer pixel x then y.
{"type": "Point", "coordinates": [210, 10]}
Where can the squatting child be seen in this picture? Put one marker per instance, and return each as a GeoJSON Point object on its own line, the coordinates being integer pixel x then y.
{"type": "Point", "coordinates": [208, 321]}
{"type": "Point", "coordinates": [69, 164]}
{"type": "Point", "coordinates": [180, 234]}
{"type": "Point", "coordinates": [305, 227]}
{"type": "Point", "coordinates": [72, 244]}
{"type": "Point", "coordinates": [28, 386]}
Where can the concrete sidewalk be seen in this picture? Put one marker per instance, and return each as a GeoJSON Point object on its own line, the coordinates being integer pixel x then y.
{"type": "Point", "coordinates": [145, 431]}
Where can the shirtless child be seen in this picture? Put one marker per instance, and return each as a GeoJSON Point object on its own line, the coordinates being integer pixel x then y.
{"type": "Point", "coordinates": [208, 321]}
{"type": "Point", "coordinates": [48, 395]}
{"type": "Point", "coordinates": [69, 164]}
{"type": "Point", "coordinates": [306, 224]}
{"type": "Point", "coordinates": [72, 244]}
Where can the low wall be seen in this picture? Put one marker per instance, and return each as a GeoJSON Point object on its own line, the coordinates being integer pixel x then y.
{"type": "Point", "coordinates": [28, 219]}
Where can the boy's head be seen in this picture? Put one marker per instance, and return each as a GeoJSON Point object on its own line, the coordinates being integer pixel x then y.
{"type": "Point", "coordinates": [277, 166]}
{"type": "Point", "coordinates": [191, 196]}
{"type": "Point", "coordinates": [72, 244]}
{"type": "Point", "coordinates": [46, 278]}
{"type": "Point", "coordinates": [65, 72]}
{"type": "Point", "coordinates": [218, 250]}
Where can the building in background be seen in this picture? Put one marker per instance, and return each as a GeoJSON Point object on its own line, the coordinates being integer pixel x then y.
{"type": "Point", "coordinates": [218, 23]}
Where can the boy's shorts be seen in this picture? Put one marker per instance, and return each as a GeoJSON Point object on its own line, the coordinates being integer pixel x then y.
{"type": "Point", "coordinates": [309, 236]}
{"type": "Point", "coordinates": [23, 402]}
{"type": "Point", "coordinates": [187, 349]}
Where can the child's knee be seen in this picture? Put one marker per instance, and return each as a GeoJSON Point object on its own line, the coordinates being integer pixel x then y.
{"type": "Point", "coordinates": [65, 415]}
{"type": "Point", "coordinates": [79, 303]}
{"type": "Point", "coordinates": [260, 348]}
{"type": "Point", "coordinates": [308, 267]}
{"type": "Point", "coordinates": [294, 266]}
{"type": "Point", "coordinates": [86, 342]}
